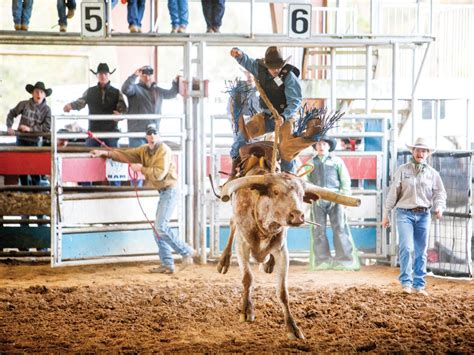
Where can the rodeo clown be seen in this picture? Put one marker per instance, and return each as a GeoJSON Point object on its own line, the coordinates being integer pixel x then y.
{"type": "Point", "coordinates": [280, 82]}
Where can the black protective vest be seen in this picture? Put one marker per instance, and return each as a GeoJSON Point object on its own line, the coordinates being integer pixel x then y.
{"type": "Point", "coordinates": [275, 93]}
{"type": "Point", "coordinates": [102, 105]}
{"type": "Point", "coordinates": [325, 174]}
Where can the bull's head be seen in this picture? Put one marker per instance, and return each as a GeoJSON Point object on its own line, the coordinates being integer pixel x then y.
{"type": "Point", "coordinates": [311, 191]}
{"type": "Point", "coordinates": [281, 197]}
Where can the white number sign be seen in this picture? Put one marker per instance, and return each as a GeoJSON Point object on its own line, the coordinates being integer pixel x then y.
{"type": "Point", "coordinates": [93, 19]}
{"type": "Point", "coordinates": [299, 20]}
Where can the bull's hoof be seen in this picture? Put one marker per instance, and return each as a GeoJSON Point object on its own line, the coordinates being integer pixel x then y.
{"type": "Point", "coordinates": [223, 264]}
{"type": "Point", "coordinates": [269, 265]}
{"type": "Point", "coordinates": [297, 334]}
{"type": "Point", "coordinates": [247, 318]}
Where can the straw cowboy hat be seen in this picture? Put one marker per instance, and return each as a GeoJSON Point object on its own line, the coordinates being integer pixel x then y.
{"type": "Point", "coordinates": [273, 58]}
{"type": "Point", "coordinates": [39, 85]}
{"type": "Point", "coordinates": [329, 140]}
{"type": "Point", "coordinates": [102, 68]}
{"type": "Point", "coordinates": [421, 142]}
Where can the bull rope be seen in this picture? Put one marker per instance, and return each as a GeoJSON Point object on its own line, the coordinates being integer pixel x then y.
{"type": "Point", "coordinates": [133, 175]}
{"type": "Point", "coordinates": [275, 115]}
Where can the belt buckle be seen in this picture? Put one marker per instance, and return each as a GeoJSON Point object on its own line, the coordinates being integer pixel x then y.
{"type": "Point", "coordinates": [419, 209]}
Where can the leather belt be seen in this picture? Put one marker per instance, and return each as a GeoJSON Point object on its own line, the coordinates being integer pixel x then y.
{"type": "Point", "coordinates": [417, 209]}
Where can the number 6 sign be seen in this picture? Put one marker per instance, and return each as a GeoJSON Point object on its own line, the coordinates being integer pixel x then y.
{"type": "Point", "coordinates": [93, 19]}
{"type": "Point", "coordinates": [299, 20]}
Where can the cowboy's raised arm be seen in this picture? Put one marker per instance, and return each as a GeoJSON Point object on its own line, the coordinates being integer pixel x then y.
{"type": "Point", "coordinates": [244, 60]}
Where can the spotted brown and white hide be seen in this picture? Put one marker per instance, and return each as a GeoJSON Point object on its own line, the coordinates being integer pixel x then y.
{"type": "Point", "coordinates": [264, 206]}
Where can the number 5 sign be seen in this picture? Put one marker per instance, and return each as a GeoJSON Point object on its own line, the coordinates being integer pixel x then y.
{"type": "Point", "coordinates": [93, 19]}
{"type": "Point", "coordinates": [299, 20]}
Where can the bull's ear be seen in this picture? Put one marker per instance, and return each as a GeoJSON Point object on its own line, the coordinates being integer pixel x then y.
{"type": "Point", "coordinates": [309, 197]}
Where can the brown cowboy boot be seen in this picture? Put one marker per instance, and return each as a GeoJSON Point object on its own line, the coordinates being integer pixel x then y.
{"type": "Point", "coordinates": [290, 146]}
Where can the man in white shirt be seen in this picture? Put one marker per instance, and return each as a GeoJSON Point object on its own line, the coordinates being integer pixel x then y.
{"type": "Point", "coordinates": [415, 189]}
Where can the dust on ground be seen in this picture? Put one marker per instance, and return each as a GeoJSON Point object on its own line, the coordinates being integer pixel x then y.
{"type": "Point", "coordinates": [125, 308]}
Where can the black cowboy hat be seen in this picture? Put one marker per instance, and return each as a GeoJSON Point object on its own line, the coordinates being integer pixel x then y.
{"type": "Point", "coordinates": [273, 58]}
{"type": "Point", "coordinates": [331, 141]}
{"type": "Point", "coordinates": [102, 68]}
{"type": "Point", "coordinates": [38, 85]}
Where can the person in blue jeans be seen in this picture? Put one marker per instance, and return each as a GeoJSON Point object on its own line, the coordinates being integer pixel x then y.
{"type": "Point", "coordinates": [135, 11]}
{"type": "Point", "coordinates": [21, 12]}
{"type": "Point", "coordinates": [62, 5]}
{"type": "Point", "coordinates": [179, 15]}
{"type": "Point", "coordinates": [416, 189]}
{"type": "Point", "coordinates": [155, 161]}
{"type": "Point", "coordinates": [280, 82]}
{"type": "Point", "coordinates": [331, 173]}
{"type": "Point", "coordinates": [213, 11]}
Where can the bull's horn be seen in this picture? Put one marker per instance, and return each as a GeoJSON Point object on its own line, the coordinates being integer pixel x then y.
{"type": "Point", "coordinates": [332, 196]}
{"type": "Point", "coordinates": [229, 188]}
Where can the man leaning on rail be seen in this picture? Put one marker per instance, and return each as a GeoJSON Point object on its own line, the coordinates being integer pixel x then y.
{"type": "Point", "coordinates": [155, 161]}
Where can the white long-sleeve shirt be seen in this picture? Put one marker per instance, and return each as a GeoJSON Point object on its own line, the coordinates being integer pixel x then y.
{"type": "Point", "coordinates": [410, 189]}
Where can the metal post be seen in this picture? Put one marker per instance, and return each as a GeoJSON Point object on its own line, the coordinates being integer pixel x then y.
{"type": "Point", "coordinates": [333, 79]}
{"type": "Point", "coordinates": [203, 157]}
{"type": "Point", "coordinates": [53, 218]}
{"type": "Point", "coordinates": [431, 17]}
{"type": "Point", "coordinates": [252, 29]}
{"type": "Point", "coordinates": [189, 231]}
{"type": "Point", "coordinates": [212, 200]}
{"type": "Point", "coordinates": [109, 18]}
{"type": "Point", "coordinates": [393, 148]}
{"type": "Point", "coordinates": [437, 117]}
{"type": "Point", "coordinates": [468, 128]}
{"type": "Point", "coordinates": [368, 80]}
{"type": "Point", "coordinates": [413, 96]}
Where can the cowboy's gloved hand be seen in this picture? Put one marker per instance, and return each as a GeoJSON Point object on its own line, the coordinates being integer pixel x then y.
{"type": "Point", "coordinates": [235, 52]}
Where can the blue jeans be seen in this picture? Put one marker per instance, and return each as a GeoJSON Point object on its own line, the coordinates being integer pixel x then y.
{"type": "Point", "coordinates": [61, 6]}
{"type": "Point", "coordinates": [343, 244]}
{"type": "Point", "coordinates": [167, 239]}
{"type": "Point", "coordinates": [413, 231]}
{"type": "Point", "coordinates": [239, 141]}
{"type": "Point", "coordinates": [21, 11]}
{"type": "Point", "coordinates": [213, 11]}
{"type": "Point", "coordinates": [28, 180]}
{"type": "Point", "coordinates": [178, 12]}
{"type": "Point", "coordinates": [135, 8]}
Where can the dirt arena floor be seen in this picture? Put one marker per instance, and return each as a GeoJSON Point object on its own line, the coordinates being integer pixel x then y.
{"type": "Point", "coordinates": [112, 308]}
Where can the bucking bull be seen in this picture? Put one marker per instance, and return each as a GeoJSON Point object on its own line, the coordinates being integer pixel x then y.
{"type": "Point", "coordinates": [264, 206]}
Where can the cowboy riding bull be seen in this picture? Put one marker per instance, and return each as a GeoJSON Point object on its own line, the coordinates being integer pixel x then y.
{"type": "Point", "coordinates": [264, 206]}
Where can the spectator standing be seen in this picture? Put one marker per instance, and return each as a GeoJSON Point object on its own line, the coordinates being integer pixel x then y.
{"type": "Point", "coordinates": [280, 82]}
{"type": "Point", "coordinates": [135, 11]}
{"type": "Point", "coordinates": [102, 99]}
{"type": "Point", "coordinates": [416, 188]}
{"type": "Point", "coordinates": [213, 11]}
{"type": "Point", "coordinates": [145, 97]}
{"type": "Point", "coordinates": [21, 11]}
{"type": "Point", "coordinates": [331, 173]}
{"type": "Point", "coordinates": [35, 117]}
{"type": "Point", "coordinates": [179, 15]}
{"type": "Point", "coordinates": [62, 5]}
{"type": "Point", "coordinates": [155, 161]}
